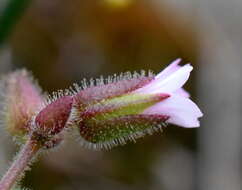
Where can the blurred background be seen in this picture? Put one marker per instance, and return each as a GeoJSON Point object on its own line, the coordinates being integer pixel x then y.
{"type": "Point", "coordinates": [63, 41]}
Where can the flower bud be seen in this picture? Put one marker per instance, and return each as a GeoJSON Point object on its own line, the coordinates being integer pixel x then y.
{"type": "Point", "coordinates": [52, 119]}
{"type": "Point", "coordinates": [21, 100]}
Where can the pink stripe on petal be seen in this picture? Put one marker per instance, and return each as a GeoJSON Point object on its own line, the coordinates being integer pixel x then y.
{"type": "Point", "coordinates": [182, 111]}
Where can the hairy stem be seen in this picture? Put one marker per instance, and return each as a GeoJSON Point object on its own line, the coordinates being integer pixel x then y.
{"type": "Point", "coordinates": [28, 151]}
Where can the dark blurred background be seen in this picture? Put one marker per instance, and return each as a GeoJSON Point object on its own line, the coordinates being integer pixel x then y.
{"type": "Point", "coordinates": [63, 41]}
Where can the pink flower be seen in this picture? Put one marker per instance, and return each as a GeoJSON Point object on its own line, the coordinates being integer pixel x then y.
{"type": "Point", "coordinates": [181, 110]}
{"type": "Point", "coordinates": [107, 112]}
{"type": "Point", "coordinates": [131, 106]}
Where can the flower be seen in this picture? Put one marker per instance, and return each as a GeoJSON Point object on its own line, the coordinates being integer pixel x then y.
{"type": "Point", "coordinates": [106, 112]}
{"type": "Point", "coordinates": [180, 109]}
{"type": "Point", "coordinates": [134, 105]}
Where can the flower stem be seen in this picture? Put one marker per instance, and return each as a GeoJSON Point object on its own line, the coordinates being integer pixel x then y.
{"type": "Point", "coordinates": [28, 151]}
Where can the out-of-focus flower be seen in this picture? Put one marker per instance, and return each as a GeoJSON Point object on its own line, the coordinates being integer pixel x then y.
{"type": "Point", "coordinates": [130, 106]}
{"type": "Point", "coordinates": [26, 112]}
{"type": "Point", "coordinates": [21, 100]}
{"type": "Point", "coordinates": [118, 3]}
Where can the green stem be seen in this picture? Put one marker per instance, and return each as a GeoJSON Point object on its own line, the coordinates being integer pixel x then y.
{"type": "Point", "coordinates": [24, 158]}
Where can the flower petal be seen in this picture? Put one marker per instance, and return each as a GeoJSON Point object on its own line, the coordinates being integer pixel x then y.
{"type": "Point", "coordinates": [169, 84]}
{"type": "Point", "coordinates": [182, 111]}
{"type": "Point", "coordinates": [169, 69]}
{"type": "Point", "coordinates": [182, 92]}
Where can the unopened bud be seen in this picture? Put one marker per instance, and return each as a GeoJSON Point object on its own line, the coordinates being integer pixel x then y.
{"type": "Point", "coordinates": [21, 99]}
{"type": "Point", "coordinates": [53, 118]}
